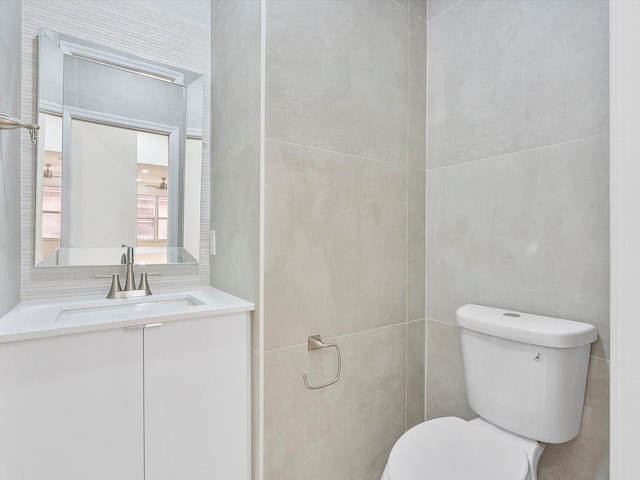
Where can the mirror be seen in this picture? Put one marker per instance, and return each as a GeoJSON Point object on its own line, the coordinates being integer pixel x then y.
{"type": "Point", "coordinates": [119, 156]}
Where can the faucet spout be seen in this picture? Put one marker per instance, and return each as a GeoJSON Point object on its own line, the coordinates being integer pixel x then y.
{"type": "Point", "coordinates": [129, 283]}
{"type": "Point", "coordinates": [128, 257]}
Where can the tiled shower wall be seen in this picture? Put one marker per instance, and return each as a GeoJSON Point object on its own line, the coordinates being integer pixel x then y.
{"type": "Point", "coordinates": [10, 76]}
{"type": "Point", "coordinates": [344, 228]}
{"type": "Point", "coordinates": [518, 200]}
{"type": "Point", "coordinates": [170, 32]}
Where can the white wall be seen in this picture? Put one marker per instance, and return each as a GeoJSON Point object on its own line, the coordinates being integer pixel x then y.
{"type": "Point", "coordinates": [10, 78]}
{"type": "Point", "coordinates": [625, 239]}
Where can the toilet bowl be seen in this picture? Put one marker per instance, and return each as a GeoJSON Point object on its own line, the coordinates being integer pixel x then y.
{"type": "Point", "coordinates": [450, 448]}
{"type": "Point", "coordinates": [525, 377]}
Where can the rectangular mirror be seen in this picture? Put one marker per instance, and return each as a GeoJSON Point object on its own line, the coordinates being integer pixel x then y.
{"type": "Point", "coordinates": [119, 156]}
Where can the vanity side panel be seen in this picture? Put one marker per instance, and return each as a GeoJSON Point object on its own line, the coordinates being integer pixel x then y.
{"type": "Point", "coordinates": [196, 398]}
{"type": "Point", "coordinates": [71, 407]}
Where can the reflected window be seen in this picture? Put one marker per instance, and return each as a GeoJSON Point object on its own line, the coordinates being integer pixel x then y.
{"type": "Point", "coordinates": [51, 212]}
{"type": "Point", "coordinates": [152, 218]}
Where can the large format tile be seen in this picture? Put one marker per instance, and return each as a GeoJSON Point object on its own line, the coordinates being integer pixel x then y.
{"type": "Point", "coordinates": [417, 105]}
{"type": "Point", "coordinates": [587, 456]}
{"type": "Point", "coordinates": [235, 217]}
{"type": "Point", "coordinates": [342, 432]}
{"type": "Point", "coordinates": [528, 231]}
{"type": "Point", "coordinates": [416, 246]}
{"type": "Point", "coordinates": [415, 372]}
{"type": "Point", "coordinates": [337, 76]}
{"type": "Point", "coordinates": [446, 390]}
{"type": "Point", "coordinates": [235, 77]}
{"type": "Point", "coordinates": [508, 76]}
{"type": "Point", "coordinates": [335, 244]}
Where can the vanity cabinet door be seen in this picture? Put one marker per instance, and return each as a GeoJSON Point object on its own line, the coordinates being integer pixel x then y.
{"type": "Point", "coordinates": [71, 407]}
{"type": "Point", "coordinates": [196, 386]}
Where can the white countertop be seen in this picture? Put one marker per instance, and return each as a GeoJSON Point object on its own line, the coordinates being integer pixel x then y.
{"type": "Point", "coordinates": [68, 315]}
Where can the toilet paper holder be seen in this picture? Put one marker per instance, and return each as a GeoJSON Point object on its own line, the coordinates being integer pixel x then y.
{"type": "Point", "coordinates": [314, 342]}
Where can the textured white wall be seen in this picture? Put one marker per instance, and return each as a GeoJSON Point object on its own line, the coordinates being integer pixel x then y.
{"type": "Point", "coordinates": [175, 32]}
{"type": "Point", "coordinates": [10, 156]}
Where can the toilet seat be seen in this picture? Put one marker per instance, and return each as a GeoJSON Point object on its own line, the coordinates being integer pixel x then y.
{"type": "Point", "coordinates": [450, 448]}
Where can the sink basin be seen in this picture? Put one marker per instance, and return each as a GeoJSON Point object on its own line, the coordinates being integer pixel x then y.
{"type": "Point", "coordinates": [138, 308]}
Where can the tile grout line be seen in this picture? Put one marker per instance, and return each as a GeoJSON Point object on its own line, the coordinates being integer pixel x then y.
{"type": "Point", "coordinates": [406, 253]}
{"type": "Point", "coordinates": [441, 14]}
{"type": "Point", "coordinates": [426, 218]}
{"type": "Point", "coordinates": [515, 152]}
{"type": "Point", "coordinates": [335, 152]}
{"type": "Point", "coordinates": [342, 336]}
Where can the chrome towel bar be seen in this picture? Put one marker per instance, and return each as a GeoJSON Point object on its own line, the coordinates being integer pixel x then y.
{"type": "Point", "coordinates": [314, 343]}
{"type": "Point", "coordinates": [7, 122]}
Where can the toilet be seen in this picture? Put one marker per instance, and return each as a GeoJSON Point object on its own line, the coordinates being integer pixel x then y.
{"type": "Point", "coordinates": [525, 376]}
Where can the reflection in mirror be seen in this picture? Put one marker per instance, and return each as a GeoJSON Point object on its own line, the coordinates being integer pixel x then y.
{"type": "Point", "coordinates": [118, 158]}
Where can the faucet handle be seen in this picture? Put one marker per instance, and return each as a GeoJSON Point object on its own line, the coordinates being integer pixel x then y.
{"type": "Point", "coordinates": [115, 284]}
{"type": "Point", "coordinates": [144, 284]}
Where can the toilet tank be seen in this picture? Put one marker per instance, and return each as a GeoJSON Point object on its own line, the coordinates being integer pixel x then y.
{"type": "Point", "coordinates": [526, 373]}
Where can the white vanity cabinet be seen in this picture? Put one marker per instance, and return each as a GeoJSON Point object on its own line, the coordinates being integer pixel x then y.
{"type": "Point", "coordinates": [196, 399]}
{"type": "Point", "coordinates": [164, 399]}
{"type": "Point", "coordinates": [71, 407]}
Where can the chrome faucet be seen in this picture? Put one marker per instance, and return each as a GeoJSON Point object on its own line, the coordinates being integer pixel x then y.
{"type": "Point", "coordinates": [129, 290]}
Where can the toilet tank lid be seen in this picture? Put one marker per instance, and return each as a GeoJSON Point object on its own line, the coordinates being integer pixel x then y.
{"type": "Point", "coordinates": [526, 327]}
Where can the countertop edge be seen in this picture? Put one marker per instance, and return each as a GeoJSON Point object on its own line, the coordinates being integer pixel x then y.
{"type": "Point", "coordinates": [229, 304]}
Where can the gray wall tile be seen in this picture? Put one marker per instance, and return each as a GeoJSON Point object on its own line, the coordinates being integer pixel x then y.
{"type": "Point", "coordinates": [335, 242]}
{"type": "Point", "coordinates": [416, 254]}
{"type": "Point", "coordinates": [415, 372]}
{"type": "Point", "coordinates": [337, 76]}
{"type": "Point", "coordinates": [446, 391]}
{"type": "Point", "coordinates": [235, 150]}
{"type": "Point", "coordinates": [509, 76]}
{"type": "Point", "coordinates": [587, 456]}
{"type": "Point", "coordinates": [417, 81]}
{"type": "Point", "coordinates": [343, 432]}
{"type": "Point", "coordinates": [344, 230]}
{"type": "Point", "coordinates": [527, 231]}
